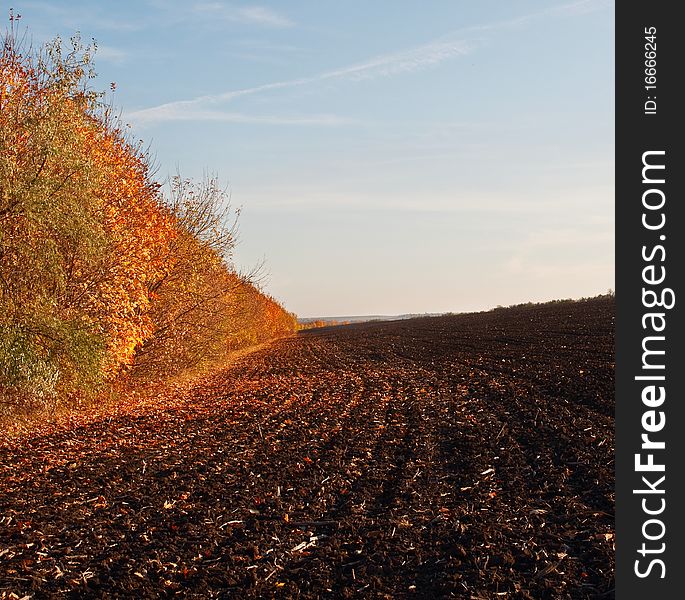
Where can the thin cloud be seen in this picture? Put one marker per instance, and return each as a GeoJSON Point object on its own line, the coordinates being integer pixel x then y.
{"type": "Point", "coordinates": [583, 7]}
{"type": "Point", "coordinates": [569, 9]}
{"type": "Point", "coordinates": [266, 45]}
{"type": "Point", "coordinates": [173, 111]}
{"type": "Point", "coordinates": [513, 203]}
{"type": "Point", "coordinates": [264, 16]}
{"type": "Point", "coordinates": [85, 17]}
{"type": "Point", "coordinates": [176, 113]}
{"type": "Point", "coordinates": [538, 256]}
{"type": "Point", "coordinates": [111, 54]}
{"type": "Point", "coordinates": [257, 15]}
{"type": "Point", "coordinates": [414, 59]}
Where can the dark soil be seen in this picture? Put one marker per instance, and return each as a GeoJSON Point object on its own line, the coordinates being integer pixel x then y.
{"type": "Point", "coordinates": [449, 457]}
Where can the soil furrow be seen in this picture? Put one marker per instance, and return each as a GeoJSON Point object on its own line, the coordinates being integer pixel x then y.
{"type": "Point", "coordinates": [467, 456]}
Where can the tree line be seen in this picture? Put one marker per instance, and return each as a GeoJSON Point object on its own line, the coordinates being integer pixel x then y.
{"type": "Point", "coordinates": [105, 273]}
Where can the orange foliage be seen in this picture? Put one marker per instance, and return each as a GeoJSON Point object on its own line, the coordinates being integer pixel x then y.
{"type": "Point", "coordinates": [139, 233]}
{"type": "Point", "coordinates": [97, 270]}
{"type": "Point", "coordinates": [320, 323]}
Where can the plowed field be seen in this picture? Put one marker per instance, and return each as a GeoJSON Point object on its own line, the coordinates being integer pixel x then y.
{"type": "Point", "coordinates": [465, 456]}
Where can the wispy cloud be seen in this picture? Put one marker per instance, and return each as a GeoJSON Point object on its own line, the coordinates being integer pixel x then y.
{"type": "Point", "coordinates": [421, 57]}
{"type": "Point", "coordinates": [568, 9]}
{"type": "Point", "coordinates": [541, 255]}
{"type": "Point", "coordinates": [111, 54]}
{"type": "Point", "coordinates": [583, 7]}
{"type": "Point", "coordinates": [264, 16]}
{"type": "Point", "coordinates": [85, 16]}
{"type": "Point", "coordinates": [257, 15]}
{"type": "Point", "coordinates": [489, 203]}
{"type": "Point", "coordinates": [173, 111]}
{"type": "Point", "coordinates": [181, 113]}
{"type": "Point", "coordinates": [267, 45]}
{"type": "Point", "coordinates": [386, 65]}
{"type": "Point", "coordinates": [413, 59]}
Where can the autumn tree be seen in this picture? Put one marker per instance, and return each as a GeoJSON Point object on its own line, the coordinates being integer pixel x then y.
{"type": "Point", "coordinates": [99, 271]}
{"type": "Point", "coordinates": [80, 227]}
{"type": "Point", "coordinates": [203, 307]}
{"type": "Point", "coordinates": [190, 306]}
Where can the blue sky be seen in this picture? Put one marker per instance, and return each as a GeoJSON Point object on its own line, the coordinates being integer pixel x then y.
{"type": "Point", "coordinates": [389, 157]}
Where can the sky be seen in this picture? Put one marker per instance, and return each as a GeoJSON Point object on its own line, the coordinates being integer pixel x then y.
{"type": "Point", "coordinates": [388, 157]}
